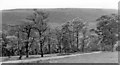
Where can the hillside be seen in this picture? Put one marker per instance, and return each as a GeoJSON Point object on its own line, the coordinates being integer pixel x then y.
{"type": "Point", "coordinates": [56, 16]}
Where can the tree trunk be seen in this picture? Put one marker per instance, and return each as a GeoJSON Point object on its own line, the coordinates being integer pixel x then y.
{"type": "Point", "coordinates": [83, 45]}
{"type": "Point", "coordinates": [83, 42]}
{"type": "Point", "coordinates": [60, 47]}
{"type": "Point", "coordinates": [27, 50]}
{"type": "Point", "coordinates": [77, 34]}
{"type": "Point", "coordinates": [36, 52]}
{"type": "Point", "coordinates": [8, 53]}
{"type": "Point", "coordinates": [20, 50]}
{"type": "Point", "coordinates": [41, 49]}
{"type": "Point", "coordinates": [49, 48]}
{"type": "Point", "coordinates": [20, 53]}
{"type": "Point", "coordinates": [112, 47]}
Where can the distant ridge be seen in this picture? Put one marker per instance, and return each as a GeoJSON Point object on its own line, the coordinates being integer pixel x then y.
{"type": "Point", "coordinates": [57, 16]}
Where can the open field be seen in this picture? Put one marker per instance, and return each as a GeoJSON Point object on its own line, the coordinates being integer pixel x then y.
{"type": "Point", "coordinates": [102, 57]}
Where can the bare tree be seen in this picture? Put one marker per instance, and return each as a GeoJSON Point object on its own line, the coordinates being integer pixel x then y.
{"type": "Point", "coordinates": [39, 19]}
{"type": "Point", "coordinates": [17, 31]}
{"type": "Point", "coordinates": [77, 25]}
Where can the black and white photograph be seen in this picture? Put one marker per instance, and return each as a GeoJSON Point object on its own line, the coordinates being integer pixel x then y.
{"type": "Point", "coordinates": [66, 31]}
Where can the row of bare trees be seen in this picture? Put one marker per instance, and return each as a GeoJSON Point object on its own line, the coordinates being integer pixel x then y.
{"type": "Point", "coordinates": [35, 36]}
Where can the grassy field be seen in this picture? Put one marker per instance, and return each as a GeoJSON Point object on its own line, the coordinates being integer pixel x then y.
{"type": "Point", "coordinates": [104, 57]}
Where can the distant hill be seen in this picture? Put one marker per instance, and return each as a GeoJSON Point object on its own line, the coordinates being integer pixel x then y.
{"type": "Point", "coordinates": [56, 16]}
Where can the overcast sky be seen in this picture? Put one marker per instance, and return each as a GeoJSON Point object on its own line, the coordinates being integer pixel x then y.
{"type": "Point", "coordinates": [12, 4]}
